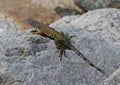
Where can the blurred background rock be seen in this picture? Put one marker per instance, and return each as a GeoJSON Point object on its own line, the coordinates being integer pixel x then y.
{"type": "Point", "coordinates": [47, 11]}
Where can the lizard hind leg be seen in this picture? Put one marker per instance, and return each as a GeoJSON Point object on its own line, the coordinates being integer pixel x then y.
{"type": "Point", "coordinates": [60, 50]}
{"type": "Point", "coordinates": [67, 36]}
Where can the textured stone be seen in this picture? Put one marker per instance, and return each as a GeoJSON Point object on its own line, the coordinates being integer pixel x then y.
{"type": "Point", "coordinates": [33, 58]}
{"type": "Point", "coordinates": [61, 7]}
{"type": "Point", "coordinates": [96, 4]}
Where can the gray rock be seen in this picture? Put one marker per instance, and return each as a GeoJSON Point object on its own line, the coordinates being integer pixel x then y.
{"type": "Point", "coordinates": [33, 58]}
{"type": "Point", "coordinates": [6, 80]}
{"type": "Point", "coordinates": [96, 4]}
{"type": "Point", "coordinates": [61, 7]}
{"type": "Point", "coordinates": [113, 79]}
{"type": "Point", "coordinates": [72, 7]}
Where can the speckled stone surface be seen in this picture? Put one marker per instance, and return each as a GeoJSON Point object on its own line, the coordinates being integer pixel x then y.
{"type": "Point", "coordinates": [33, 58]}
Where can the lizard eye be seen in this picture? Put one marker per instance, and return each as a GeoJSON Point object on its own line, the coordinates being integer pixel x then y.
{"type": "Point", "coordinates": [28, 20]}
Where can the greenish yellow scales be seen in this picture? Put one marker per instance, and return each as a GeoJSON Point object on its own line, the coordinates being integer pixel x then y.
{"type": "Point", "coordinates": [62, 41]}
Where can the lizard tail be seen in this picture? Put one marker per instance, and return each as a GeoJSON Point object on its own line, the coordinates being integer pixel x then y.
{"type": "Point", "coordinates": [85, 59]}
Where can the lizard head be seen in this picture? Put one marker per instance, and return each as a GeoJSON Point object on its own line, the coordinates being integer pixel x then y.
{"type": "Point", "coordinates": [33, 23]}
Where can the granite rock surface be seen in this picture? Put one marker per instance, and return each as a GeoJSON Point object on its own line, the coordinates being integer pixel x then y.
{"type": "Point", "coordinates": [33, 60]}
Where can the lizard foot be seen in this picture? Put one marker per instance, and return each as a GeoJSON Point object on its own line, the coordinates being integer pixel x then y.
{"type": "Point", "coordinates": [60, 53]}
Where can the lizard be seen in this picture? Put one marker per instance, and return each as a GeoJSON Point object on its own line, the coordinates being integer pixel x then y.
{"type": "Point", "coordinates": [62, 40]}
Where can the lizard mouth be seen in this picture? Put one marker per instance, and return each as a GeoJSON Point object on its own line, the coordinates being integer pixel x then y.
{"type": "Point", "coordinates": [33, 31]}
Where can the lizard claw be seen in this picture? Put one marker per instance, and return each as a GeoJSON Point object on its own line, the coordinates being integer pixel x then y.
{"type": "Point", "coordinates": [61, 52]}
